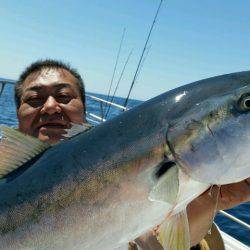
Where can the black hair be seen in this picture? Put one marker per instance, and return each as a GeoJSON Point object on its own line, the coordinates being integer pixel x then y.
{"type": "Point", "coordinates": [47, 64]}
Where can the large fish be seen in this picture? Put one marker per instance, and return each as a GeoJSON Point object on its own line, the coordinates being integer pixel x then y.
{"type": "Point", "coordinates": [106, 186]}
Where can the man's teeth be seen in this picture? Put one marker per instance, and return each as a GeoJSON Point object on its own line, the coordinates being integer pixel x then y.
{"type": "Point", "coordinates": [54, 125]}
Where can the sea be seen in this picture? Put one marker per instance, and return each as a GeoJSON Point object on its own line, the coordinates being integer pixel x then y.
{"type": "Point", "coordinates": [8, 117]}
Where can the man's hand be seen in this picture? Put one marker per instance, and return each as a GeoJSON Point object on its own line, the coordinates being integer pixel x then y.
{"type": "Point", "coordinates": [233, 194]}
{"type": "Point", "coordinates": [202, 210]}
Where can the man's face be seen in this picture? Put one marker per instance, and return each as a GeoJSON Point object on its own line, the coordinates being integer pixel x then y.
{"type": "Point", "coordinates": [50, 102]}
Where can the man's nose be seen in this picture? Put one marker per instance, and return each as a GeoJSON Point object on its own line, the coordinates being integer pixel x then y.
{"type": "Point", "coordinates": [51, 106]}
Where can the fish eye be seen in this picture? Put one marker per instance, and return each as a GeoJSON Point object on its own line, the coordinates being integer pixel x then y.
{"type": "Point", "coordinates": [244, 102]}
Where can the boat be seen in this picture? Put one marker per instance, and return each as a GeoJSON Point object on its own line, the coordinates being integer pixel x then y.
{"type": "Point", "coordinates": [229, 242]}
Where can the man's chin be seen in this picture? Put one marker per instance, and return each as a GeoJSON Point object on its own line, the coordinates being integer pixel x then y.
{"type": "Point", "coordinates": [51, 136]}
{"type": "Point", "coordinates": [51, 140]}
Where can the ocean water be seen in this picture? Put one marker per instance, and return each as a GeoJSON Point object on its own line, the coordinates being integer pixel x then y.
{"type": "Point", "coordinates": [8, 117]}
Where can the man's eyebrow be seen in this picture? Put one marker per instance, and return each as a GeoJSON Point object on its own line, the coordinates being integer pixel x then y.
{"type": "Point", "coordinates": [39, 87]}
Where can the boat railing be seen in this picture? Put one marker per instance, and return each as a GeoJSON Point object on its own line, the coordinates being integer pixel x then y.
{"type": "Point", "coordinates": [103, 104]}
{"type": "Point", "coordinates": [235, 219]}
{"type": "Point", "coordinates": [97, 119]}
{"type": "Point", "coordinates": [98, 99]}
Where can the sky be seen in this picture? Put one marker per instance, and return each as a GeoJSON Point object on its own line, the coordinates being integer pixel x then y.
{"type": "Point", "coordinates": [191, 40]}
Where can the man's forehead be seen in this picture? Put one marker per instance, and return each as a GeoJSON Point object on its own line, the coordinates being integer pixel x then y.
{"type": "Point", "coordinates": [49, 77]}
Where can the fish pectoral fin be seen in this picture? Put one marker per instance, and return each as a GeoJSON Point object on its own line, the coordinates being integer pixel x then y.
{"type": "Point", "coordinates": [17, 148]}
{"type": "Point", "coordinates": [173, 233]}
{"type": "Point", "coordinates": [77, 129]}
{"type": "Point", "coordinates": [167, 187]}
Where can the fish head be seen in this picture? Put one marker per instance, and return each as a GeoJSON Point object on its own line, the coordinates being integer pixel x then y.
{"type": "Point", "coordinates": [211, 140]}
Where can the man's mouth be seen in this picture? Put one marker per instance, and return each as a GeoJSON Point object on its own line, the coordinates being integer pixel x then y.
{"type": "Point", "coordinates": [53, 125]}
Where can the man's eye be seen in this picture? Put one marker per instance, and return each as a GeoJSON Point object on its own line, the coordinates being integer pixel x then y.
{"type": "Point", "coordinates": [64, 98]}
{"type": "Point", "coordinates": [35, 101]}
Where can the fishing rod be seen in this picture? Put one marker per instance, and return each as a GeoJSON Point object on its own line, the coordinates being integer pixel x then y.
{"type": "Point", "coordinates": [116, 62]}
{"type": "Point", "coordinates": [143, 61]}
{"type": "Point", "coordinates": [143, 51]}
{"type": "Point", "coordinates": [118, 82]}
{"type": "Point", "coordinates": [139, 71]}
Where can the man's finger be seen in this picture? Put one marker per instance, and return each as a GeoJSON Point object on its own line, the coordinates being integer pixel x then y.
{"type": "Point", "coordinates": [248, 181]}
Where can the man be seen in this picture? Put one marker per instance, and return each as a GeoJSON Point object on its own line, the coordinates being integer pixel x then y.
{"type": "Point", "coordinates": [50, 96]}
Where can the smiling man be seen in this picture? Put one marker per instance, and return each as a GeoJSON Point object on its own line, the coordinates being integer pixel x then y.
{"type": "Point", "coordinates": [49, 96]}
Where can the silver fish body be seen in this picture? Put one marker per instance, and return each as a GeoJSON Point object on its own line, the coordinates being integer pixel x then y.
{"type": "Point", "coordinates": [93, 191]}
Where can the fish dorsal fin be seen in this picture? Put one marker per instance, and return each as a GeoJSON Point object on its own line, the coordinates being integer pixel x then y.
{"type": "Point", "coordinates": [17, 148]}
{"type": "Point", "coordinates": [77, 129]}
{"type": "Point", "coordinates": [167, 187]}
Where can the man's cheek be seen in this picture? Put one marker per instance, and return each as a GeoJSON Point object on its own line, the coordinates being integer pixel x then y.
{"type": "Point", "coordinates": [25, 124]}
{"type": "Point", "coordinates": [76, 117]}
{"type": "Point", "coordinates": [74, 111]}
{"type": "Point", "coordinates": [26, 114]}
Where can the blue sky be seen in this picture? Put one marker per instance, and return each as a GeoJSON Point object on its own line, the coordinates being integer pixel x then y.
{"type": "Point", "coordinates": [192, 40]}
